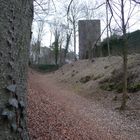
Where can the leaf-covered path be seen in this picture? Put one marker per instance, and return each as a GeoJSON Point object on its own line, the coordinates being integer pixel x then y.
{"type": "Point", "coordinates": [54, 113]}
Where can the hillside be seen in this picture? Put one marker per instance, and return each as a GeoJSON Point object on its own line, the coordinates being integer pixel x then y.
{"type": "Point", "coordinates": [69, 103]}
{"type": "Point", "coordinates": [87, 77]}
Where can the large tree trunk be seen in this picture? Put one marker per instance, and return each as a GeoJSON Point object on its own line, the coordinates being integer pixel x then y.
{"type": "Point", "coordinates": [15, 34]}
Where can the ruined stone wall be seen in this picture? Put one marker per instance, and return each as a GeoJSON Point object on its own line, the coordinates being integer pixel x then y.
{"type": "Point", "coordinates": [89, 33]}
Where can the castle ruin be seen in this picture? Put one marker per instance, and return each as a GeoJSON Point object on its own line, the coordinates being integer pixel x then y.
{"type": "Point", "coordinates": [89, 37]}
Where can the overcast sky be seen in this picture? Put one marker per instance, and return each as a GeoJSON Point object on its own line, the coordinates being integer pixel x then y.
{"type": "Point", "coordinates": [57, 12]}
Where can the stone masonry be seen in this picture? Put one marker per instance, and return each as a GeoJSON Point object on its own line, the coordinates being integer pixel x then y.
{"type": "Point", "coordinates": [89, 36]}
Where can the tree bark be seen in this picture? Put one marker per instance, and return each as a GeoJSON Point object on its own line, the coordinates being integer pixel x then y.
{"type": "Point", "coordinates": [108, 44]}
{"type": "Point", "coordinates": [74, 33]}
{"type": "Point", "coordinates": [67, 44]}
{"type": "Point", "coordinates": [125, 46]}
{"type": "Point", "coordinates": [15, 34]}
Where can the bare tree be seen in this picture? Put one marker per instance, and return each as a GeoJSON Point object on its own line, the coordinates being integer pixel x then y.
{"type": "Point", "coordinates": [75, 13]}
{"type": "Point", "coordinates": [89, 10]}
{"type": "Point", "coordinates": [40, 33]}
{"type": "Point", "coordinates": [42, 9]}
{"type": "Point", "coordinates": [58, 30]}
{"type": "Point", "coordinates": [121, 18]}
{"type": "Point", "coordinates": [56, 46]}
{"type": "Point", "coordinates": [68, 32]}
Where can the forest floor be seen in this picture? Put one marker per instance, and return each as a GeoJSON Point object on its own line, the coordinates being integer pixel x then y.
{"type": "Point", "coordinates": [57, 112]}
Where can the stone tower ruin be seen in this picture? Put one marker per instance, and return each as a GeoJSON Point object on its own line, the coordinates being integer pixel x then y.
{"type": "Point", "coordinates": [89, 37]}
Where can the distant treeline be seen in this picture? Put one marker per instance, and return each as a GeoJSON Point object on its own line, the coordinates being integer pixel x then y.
{"type": "Point", "coordinates": [115, 42]}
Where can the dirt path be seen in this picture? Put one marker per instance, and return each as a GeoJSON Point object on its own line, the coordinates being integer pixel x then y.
{"type": "Point", "coordinates": [55, 113]}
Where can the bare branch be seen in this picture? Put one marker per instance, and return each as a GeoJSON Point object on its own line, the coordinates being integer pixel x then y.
{"type": "Point", "coordinates": [130, 14]}
{"type": "Point", "coordinates": [44, 10]}
{"type": "Point", "coordinates": [113, 14]}
{"type": "Point", "coordinates": [99, 6]}
{"type": "Point", "coordinates": [136, 1]}
{"type": "Point", "coordinates": [69, 6]}
{"type": "Point", "coordinates": [54, 5]}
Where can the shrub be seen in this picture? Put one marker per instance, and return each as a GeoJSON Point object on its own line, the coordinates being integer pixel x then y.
{"type": "Point", "coordinates": [45, 67]}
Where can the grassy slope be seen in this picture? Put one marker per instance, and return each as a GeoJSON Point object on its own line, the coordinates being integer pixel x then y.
{"type": "Point", "coordinates": [84, 77]}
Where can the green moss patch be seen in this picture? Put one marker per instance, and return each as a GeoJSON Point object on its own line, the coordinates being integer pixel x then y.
{"type": "Point", "coordinates": [115, 82]}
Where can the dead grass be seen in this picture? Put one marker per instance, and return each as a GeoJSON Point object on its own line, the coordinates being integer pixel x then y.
{"type": "Point", "coordinates": [92, 73]}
